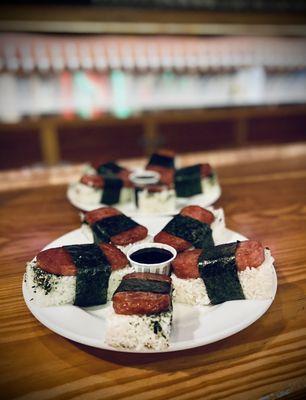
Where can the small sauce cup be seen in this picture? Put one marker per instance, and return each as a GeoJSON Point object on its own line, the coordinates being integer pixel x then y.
{"type": "Point", "coordinates": [145, 177]}
{"type": "Point", "coordinates": [152, 267]}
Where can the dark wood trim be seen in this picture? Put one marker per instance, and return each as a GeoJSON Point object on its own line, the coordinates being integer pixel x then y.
{"type": "Point", "coordinates": [160, 117]}
{"type": "Point", "coordinates": [135, 21]}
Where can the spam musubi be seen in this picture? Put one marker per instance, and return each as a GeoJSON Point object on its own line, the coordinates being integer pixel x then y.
{"type": "Point", "coordinates": [109, 225]}
{"type": "Point", "coordinates": [194, 226]}
{"type": "Point", "coordinates": [163, 162]}
{"type": "Point", "coordinates": [232, 271]}
{"type": "Point", "coordinates": [106, 183]}
{"type": "Point", "coordinates": [194, 180]}
{"type": "Point", "coordinates": [141, 316]}
{"type": "Point", "coordinates": [81, 274]}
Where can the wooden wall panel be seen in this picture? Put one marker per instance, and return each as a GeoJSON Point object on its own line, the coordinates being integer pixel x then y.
{"type": "Point", "coordinates": [277, 130]}
{"type": "Point", "coordinates": [186, 137]}
{"type": "Point", "coordinates": [19, 149]}
{"type": "Point", "coordinates": [95, 143]}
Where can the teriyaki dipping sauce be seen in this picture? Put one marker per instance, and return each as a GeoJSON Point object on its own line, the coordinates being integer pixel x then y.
{"type": "Point", "coordinates": [151, 255]}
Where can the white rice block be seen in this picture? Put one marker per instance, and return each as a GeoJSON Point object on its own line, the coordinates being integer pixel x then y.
{"type": "Point", "coordinates": [218, 225]}
{"type": "Point", "coordinates": [49, 289]}
{"type": "Point", "coordinates": [207, 183]}
{"type": "Point", "coordinates": [89, 170]}
{"type": "Point", "coordinates": [125, 195]}
{"type": "Point", "coordinates": [156, 203]}
{"type": "Point", "coordinates": [87, 232]}
{"type": "Point", "coordinates": [85, 194]}
{"type": "Point", "coordinates": [90, 195]}
{"type": "Point", "coordinates": [115, 279]}
{"type": "Point", "coordinates": [256, 283]}
{"type": "Point", "coordinates": [138, 332]}
{"type": "Point", "coordinates": [54, 290]}
{"type": "Point", "coordinates": [189, 291]}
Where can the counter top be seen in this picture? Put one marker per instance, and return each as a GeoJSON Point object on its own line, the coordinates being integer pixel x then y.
{"type": "Point", "coordinates": [262, 200]}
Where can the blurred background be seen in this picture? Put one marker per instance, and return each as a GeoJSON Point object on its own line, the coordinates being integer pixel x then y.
{"type": "Point", "coordinates": [109, 79]}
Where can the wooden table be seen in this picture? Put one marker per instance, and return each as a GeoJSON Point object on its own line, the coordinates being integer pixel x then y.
{"type": "Point", "coordinates": [265, 361]}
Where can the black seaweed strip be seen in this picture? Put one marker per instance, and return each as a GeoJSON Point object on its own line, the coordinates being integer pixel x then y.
{"type": "Point", "coordinates": [212, 177]}
{"type": "Point", "coordinates": [163, 161]}
{"type": "Point", "coordinates": [136, 192]}
{"type": "Point", "coordinates": [224, 251]}
{"type": "Point", "coordinates": [187, 181]}
{"type": "Point", "coordinates": [193, 231]}
{"type": "Point", "coordinates": [109, 167]}
{"type": "Point", "coordinates": [111, 190]}
{"type": "Point", "coordinates": [217, 267]}
{"type": "Point", "coordinates": [106, 228]}
{"type": "Point", "coordinates": [142, 285]}
{"type": "Point", "coordinates": [99, 233]}
{"type": "Point", "coordinates": [93, 272]}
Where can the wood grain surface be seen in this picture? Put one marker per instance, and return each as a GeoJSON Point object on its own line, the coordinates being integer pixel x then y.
{"type": "Point", "coordinates": [262, 200]}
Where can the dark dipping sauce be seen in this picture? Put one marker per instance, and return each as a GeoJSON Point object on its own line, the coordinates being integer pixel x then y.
{"type": "Point", "coordinates": [145, 176]}
{"type": "Point", "coordinates": [151, 255]}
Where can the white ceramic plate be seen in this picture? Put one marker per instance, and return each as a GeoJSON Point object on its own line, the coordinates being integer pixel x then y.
{"type": "Point", "coordinates": [193, 326]}
{"type": "Point", "coordinates": [203, 200]}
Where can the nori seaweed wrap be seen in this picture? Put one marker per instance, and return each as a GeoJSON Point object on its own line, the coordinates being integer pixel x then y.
{"type": "Point", "coordinates": [188, 181]}
{"type": "Point", "coordinates": [161, 160]}
{"type": "Point", "coordinates": [198, 233]}
{"type": "Point", "coordinates": [93, 272]}
{"type": "Point", "coordinates": [217, 267]}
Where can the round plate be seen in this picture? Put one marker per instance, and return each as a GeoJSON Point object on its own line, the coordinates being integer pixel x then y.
{"type": "Point", "coordinates": [193, 326]}
{"type": "Point", "coordinates": [203, 200]}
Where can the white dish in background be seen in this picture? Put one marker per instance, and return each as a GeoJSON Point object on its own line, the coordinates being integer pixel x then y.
{"type": "Point", "coordinates": [203, 200]}
{"type": "Point", "coordinates": [193, 326]}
